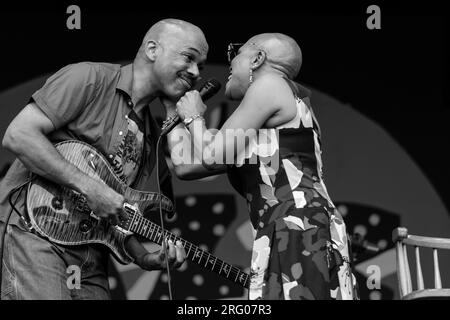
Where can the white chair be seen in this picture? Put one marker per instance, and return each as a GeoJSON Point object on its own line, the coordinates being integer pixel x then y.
{"type": "Point", "coordinates": [402, 239]}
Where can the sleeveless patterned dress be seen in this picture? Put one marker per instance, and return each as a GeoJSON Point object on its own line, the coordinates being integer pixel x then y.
{"type": "Point", "coordinates": [300, 249]}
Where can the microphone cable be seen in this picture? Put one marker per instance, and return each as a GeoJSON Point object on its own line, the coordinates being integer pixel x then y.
{"type": "Point", "coordinates": [161, 218]}
{"type": "Point", "coordinates": [210, 88]}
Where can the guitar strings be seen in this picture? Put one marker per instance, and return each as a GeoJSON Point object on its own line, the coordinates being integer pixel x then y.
{"type": "Point", "coordinates": [142, 222]}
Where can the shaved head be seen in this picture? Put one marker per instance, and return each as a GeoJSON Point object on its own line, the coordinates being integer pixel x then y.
{"type": "Point", "coordinates": [170, 58]}
{"type": "Point", "coordinates": [170, 31]}
{"type": "Point", "coordinates": [283, 52]}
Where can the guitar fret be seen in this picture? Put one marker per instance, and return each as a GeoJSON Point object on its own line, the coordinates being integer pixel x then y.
{"type": "Point", "coordinates": [221, 267]}
{"type": "Point", "coordinates": [207, 259]}
{"type": "Point", "coordinates": [132, 219]}
{"type": "Point", "coordinates": [144, 226]}
{"type": "Point", "coordinates": [246, 277]}
{"type": "Point", "coordinates": [196, 254]}
{"type": "Point", "coordinates": [152, 233]}
{"type": "Point", "coordinates": [166, 235]}
{"type": "Point", "coordinates": [237, 275]}
{"type": "Point", "coordinates": [137, 224]}
{"type": "Point", "coordinates": [160, 236]}
{"type": "Point", "coordinates": [187, 254]}
{"type": "Point", "coordinates": [214, 264]}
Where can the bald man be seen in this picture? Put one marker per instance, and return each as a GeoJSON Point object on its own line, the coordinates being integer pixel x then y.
{"type": "Point", "coordinates": [106, 106]}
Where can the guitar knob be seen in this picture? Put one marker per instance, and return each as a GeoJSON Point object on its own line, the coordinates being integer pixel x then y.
{"type": "Point", "coordinates": [85, 226]}
{"type": "Point", "coordinates": [57, 203]}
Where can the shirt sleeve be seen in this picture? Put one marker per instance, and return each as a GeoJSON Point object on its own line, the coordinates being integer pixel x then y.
{"type": "Point", "coordinates": [67, 93]}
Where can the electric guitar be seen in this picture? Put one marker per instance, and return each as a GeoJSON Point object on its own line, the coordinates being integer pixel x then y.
{"type": "Point", "coordinates": [63, 216]}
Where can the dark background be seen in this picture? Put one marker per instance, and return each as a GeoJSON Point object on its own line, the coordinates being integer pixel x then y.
{"type": "Point", "coordinates": [397, 76]}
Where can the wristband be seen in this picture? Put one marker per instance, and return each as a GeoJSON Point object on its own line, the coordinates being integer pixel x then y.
{"type": "Point", "coordinates": [190, 119]}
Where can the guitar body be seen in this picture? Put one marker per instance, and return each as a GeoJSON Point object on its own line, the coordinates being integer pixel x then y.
{"type": "Point", "coordinates": [62, 215]}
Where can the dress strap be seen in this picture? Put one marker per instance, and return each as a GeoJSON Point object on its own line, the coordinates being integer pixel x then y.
{"type": "Point", "coordinates": [299, 90]}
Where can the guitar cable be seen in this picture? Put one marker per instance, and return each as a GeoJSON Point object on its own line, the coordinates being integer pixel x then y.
{"type": "Point", "coordinates": [210, 88]}
{"type": "Point", "coordinates": [166, 256]}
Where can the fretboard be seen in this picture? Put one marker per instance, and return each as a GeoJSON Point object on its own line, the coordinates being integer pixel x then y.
{"type": "Point", "coordinates": [153, 232]}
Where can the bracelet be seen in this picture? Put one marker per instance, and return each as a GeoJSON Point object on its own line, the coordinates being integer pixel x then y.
{"type": "Point", "coordinates": [190, 119]}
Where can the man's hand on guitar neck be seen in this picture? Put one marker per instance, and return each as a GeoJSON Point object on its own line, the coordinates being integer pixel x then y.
{"type": "Point", "coordinates": [155, 261]}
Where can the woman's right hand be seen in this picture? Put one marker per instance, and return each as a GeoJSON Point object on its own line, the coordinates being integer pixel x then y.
{"type": "Point", "coordinates": [190, 104]}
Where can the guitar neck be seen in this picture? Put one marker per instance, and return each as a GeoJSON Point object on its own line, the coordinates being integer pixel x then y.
{"type": "Point", "coordinates": [153, 232]}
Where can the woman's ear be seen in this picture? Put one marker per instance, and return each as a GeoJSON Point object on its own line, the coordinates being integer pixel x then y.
{"type": "Point", "coordinates": [150, 50]}
{"type": "Point", "coordinates": [258, 60]}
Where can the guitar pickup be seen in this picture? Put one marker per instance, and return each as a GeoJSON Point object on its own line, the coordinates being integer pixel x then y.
{"type": "Point", "coordinates": [130, 208]}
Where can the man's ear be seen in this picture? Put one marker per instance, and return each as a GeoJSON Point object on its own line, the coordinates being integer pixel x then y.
{"type": "Point", "coordinates": [258, 60]}
{"type": "Point", "coordinates": [151, 48]}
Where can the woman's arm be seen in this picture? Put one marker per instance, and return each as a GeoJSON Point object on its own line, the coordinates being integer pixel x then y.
{"type": "Point", "coordinates": [187, 163]}
{"type": "Point", "coordinates": [268, 98]}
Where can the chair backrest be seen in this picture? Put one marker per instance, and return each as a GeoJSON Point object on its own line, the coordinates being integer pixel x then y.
{"type": "Point", "coordinates": [401, 239]}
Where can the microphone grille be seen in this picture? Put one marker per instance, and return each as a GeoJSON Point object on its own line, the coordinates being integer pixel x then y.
{"type": "Point", "coordinates": [214, 83]}
{"type": "Point", "coordinates": [210, 88]}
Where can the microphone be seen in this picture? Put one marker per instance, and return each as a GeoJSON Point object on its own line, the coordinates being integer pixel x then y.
{"type": "Point", "coordinates": [209, 88]}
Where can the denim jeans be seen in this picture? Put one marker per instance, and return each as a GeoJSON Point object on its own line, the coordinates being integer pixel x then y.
{"type": "Point", "coordinates": [36, 269]}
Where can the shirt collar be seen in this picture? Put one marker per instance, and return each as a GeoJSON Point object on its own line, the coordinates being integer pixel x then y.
{"type": "Point", "coordinates": [125, 83]}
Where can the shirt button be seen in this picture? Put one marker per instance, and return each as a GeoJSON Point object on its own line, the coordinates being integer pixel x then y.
{"type": "Point", "coordinates": [130, 103]}
{"type": "Point", "coordinates": [120, 133]}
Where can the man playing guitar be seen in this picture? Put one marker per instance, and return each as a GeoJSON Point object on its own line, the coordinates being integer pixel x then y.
{"type": "Point", "coordinates": [105, 106]}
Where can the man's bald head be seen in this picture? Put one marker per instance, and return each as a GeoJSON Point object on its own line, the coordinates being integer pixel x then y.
{"type": "Point", "coordinates": [170, 58]}
{"type": "Point", "coordinates": [171, 31]}
{"type": "Point", "coordinates": [282, 52]}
